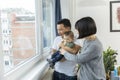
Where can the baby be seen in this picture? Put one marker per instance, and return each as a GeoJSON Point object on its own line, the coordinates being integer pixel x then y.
{"type": "Point", "coordinates": [68, 41]}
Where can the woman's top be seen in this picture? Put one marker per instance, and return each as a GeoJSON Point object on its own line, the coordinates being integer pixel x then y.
{"type": "Point", "coordinates": [90, 59]}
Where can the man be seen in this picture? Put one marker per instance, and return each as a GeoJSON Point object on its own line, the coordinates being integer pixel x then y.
{"type": "Point", "coordinates": [64, 69]}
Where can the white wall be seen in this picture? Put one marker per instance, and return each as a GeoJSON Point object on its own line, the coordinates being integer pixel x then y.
{"type": "Point", "coordinates": [67, 7]}
{"type": "Point", "coordinates": [99, 10]}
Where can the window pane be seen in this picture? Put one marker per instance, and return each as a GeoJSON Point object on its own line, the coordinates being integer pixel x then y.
{"type": "Point", "coordinates": [18, 31]}
{"type": "Point", "coordinates": [47, 22]}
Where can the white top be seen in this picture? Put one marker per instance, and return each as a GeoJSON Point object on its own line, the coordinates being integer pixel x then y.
{"type": "Point", "coordinates": [67, 67]}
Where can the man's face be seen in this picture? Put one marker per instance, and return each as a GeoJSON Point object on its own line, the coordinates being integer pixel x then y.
{"type": "Point", "coordinates": [61, 29]}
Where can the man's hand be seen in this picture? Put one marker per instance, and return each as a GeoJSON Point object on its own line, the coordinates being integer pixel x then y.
{"type": "Point", "coordinates": [53, 51]}
{"type": "Point", "coordinates": [61, 45]}
{"type": "Point", "coordinates": [62, 60]}
{"type": "Point", "coordinates": [62, 51]}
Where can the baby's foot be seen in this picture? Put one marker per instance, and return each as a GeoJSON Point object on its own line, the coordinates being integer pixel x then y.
{"type": "Point", "coordinates": [49, 60]}
{"type": "Point", "coordinates": [52, 65]}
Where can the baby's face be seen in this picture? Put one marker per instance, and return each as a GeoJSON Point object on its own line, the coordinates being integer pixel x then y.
{"type": "Point", "coordinates": [67, 39]}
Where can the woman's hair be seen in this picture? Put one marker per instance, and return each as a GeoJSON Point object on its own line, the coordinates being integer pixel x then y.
{"type": "Point", "coordinates": [86, 26]}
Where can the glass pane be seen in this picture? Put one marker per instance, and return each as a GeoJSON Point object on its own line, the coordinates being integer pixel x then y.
{"type": "Point", "coordinates": [47, 22]}
{"type": "Point", "coordinates": [18, 31]}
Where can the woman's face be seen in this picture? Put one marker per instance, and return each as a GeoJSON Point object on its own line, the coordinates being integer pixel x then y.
{"type": "Point", "coordinates": [76, 33]}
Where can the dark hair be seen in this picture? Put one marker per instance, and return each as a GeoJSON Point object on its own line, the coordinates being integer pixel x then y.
{"type": "Point", "coordinates": [86, 26]}
{"type": "Point", "coordinates": [65, 22]}
{"type": "Point", "coordinates": [69, 33]}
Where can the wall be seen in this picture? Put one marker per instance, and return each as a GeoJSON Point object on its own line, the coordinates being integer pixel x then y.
{"type": "Point", "coordinates": [67, 9]}
{"type": "Point", "coordinates": [99, 10]}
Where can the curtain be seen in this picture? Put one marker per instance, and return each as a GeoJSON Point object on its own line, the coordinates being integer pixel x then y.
{"type": "Point", "coordinates": [57, 14]}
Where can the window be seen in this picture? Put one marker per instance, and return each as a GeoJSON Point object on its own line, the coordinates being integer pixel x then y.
{"type": "Point", "coordinates": [21, 30]}
{"type": "Point", "coordinates": [18, 31]}
{"type": "Point", "coordinates": [48, 21]}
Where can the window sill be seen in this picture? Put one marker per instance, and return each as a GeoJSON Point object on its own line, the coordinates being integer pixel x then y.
{"type": "Point", "coordinates": [37, 73]}
{"type": "Point", "coordinates": [33, 69]}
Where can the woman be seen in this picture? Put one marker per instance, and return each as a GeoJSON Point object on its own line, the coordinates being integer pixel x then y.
{"type": "Point", "coordinates": [90, 57]}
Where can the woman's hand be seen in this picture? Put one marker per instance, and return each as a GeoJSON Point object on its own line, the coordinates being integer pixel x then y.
{"type": "Point", "coordinates": [62, 60]}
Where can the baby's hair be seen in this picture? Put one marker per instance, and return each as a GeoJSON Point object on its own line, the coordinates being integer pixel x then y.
{"type": "Point", "coordinates": [69, 33]}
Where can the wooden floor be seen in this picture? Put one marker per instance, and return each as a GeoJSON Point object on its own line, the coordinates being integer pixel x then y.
{"type": "Point", "coordinates": [48, 75]}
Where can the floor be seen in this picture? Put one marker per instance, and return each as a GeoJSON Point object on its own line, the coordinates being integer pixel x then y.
{"type": "Point", "coordinates": [48, 75]}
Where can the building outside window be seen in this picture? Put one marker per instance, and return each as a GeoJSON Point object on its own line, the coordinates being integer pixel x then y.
{"type": "Point", "coordinates": [18, 29]}
{"type": "Point", "coordinates": [18, 32]}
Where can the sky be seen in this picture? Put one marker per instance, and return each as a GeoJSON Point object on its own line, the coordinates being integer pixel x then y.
{"type": "Point", "coordinates": [27, 4]}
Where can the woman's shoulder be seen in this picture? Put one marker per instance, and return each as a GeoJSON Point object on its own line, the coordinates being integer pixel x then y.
{"type": "Point", "coordinates": [79, 41]}
{"type": "Point", "coordinates": [96, 43]}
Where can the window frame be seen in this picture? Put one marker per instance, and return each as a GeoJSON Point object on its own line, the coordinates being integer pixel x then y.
{"type": "Point", "coordinates": [23, 68]}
